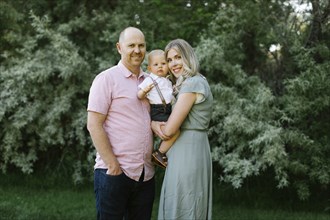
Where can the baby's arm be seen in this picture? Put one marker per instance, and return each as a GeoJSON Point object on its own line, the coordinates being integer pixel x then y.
{"type": "Point", "coordinates": [143, 92]}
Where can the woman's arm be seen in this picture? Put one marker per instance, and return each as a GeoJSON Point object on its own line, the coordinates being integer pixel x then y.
{"type": "Point", "coordinates": [179, 113]}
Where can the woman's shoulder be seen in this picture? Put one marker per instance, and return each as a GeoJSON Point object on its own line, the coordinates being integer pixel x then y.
{"type": "Point", "coordinates": [197, 79]}
{"type": "Point", "coordinates": [196, 83]}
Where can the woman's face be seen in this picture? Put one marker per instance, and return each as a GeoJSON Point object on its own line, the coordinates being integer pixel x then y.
{"type": "Point", "coordinates": [175, 62]}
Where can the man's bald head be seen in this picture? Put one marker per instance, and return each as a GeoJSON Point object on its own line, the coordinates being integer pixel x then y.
{"type": "Point", "coordinates": [132, 48]}
{"type": "Point", "coordinates": [129, 31]}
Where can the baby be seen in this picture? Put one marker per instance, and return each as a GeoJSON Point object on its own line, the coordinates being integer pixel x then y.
{"type": "Point", "coordinates": [158, 90]}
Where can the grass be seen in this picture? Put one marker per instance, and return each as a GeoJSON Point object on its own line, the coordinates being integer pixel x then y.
{"type": "Point", "coordinates": [261, 200]}
{"type": "Point", "coordinates": [44, 198]}
{"type": "Point", "coordinates": [29, 197]}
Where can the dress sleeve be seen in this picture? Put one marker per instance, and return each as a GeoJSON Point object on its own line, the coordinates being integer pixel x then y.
{"type": "Point", "coordinates": [196, 84]}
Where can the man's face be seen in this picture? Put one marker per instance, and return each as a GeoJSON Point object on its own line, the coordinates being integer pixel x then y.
{"type": "Point", "coordinates": [132, 48]}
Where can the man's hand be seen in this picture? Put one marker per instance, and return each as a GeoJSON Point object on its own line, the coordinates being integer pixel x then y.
{"type": "Point", "coordinates": [156, 127]}
{"type": "Point", "coordinates": [114, 169]}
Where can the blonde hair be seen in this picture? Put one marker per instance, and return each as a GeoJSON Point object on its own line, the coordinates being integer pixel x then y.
{"type": "Point", "coordinates": [153, 53]}
{"type": "Point", "coordinates": [189, 58]}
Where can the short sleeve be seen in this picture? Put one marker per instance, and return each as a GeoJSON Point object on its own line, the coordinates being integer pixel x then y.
{"type": "Point", "coordinates": [196, 84]}
{"type": "Point", "coordinates": [146, 82]}
{"type": "Point", "coordinates": [200, 98]}
{"type": "Point", "coordinates": [99, 99]}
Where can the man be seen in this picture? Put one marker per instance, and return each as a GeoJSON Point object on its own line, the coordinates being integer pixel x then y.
{"type": "Point", "coordinates": [119, 125]}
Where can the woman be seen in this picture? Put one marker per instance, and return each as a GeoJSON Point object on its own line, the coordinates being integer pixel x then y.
{"type": "Point", "coordinates": [187, 187]}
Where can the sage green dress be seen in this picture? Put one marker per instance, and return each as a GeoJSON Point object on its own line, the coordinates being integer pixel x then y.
{"type": "Point", "coordinates": [187, 186]}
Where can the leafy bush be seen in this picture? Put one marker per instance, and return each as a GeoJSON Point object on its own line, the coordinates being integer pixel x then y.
{"type": "Point", "coordinates": [43, 102]}
{"type": "Point", "coordinates": [306, 103]}
{"type": "Point", "coordinates": [281, 123]}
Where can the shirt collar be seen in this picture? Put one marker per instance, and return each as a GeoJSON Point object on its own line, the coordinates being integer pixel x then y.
{"type": "Point", "coordinates": [127, 73]}
{"type": "Point", "coordinates": [154, 76]}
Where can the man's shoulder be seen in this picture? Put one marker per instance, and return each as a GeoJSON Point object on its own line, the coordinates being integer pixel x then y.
{"type": "Point", "coordinates": [108, 72]}
{"type": "Point", "coordinates": [111, 70]}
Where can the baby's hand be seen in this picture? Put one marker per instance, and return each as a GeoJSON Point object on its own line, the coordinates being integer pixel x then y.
{"type": "Point", "coordinates": [148, 88]}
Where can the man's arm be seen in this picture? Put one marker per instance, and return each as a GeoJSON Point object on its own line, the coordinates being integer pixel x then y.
{"type": "Point", "coordinates": [101, 142]}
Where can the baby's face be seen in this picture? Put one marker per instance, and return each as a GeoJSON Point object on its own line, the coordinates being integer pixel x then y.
{"type": "Point", "coordinates": [158, 65]}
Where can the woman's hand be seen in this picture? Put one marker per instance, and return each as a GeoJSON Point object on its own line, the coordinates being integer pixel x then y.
{"type": "Point", "coordinates": [156, 127]}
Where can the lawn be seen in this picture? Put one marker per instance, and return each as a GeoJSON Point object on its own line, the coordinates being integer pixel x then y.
{"type": "Point", "coordinates": [43, 198]}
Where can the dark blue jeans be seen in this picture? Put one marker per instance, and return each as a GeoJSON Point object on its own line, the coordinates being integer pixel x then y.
{"type": "Point", "coordinates": [119, 197]}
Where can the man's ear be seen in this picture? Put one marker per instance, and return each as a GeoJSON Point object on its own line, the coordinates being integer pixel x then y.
{"type": "Point", "coordinates": [118, 47]}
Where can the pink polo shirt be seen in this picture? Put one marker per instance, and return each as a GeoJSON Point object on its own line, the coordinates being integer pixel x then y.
{"type": "Point", "coordinates": [114, 93]}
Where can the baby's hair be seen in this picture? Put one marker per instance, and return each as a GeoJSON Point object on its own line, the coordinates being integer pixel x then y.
{"type": "Point", "coordinates": [155, 53]}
